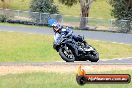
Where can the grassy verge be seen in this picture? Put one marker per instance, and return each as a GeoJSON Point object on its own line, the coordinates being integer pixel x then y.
{"type": "Point", "coordinates": [22, 25]}
{"type": "Point", "coordinates": [22, 47]}
{"type": "Point", "coordinates": [99, 9]}
{"type": "Point", "coordinates": [53, 80]}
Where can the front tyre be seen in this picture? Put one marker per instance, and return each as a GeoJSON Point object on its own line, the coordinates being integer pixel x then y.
{"type": "Point", "coordinates": [93, 56]}
{"type": "Point", "coordinates": [66, 54]}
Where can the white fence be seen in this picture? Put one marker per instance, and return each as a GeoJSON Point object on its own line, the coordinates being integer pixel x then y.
{"type": "Point", "coordinates": [93, 23]}
{"type": "Point", "coordinates": [36, 17]}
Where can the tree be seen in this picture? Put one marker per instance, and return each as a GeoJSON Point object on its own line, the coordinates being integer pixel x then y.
{"type": "Point", "coordinates": [44, 6]}
{"type": "Point", "coordinates": [85, 6]}
{"type": "Point", "coordinates": [122, 9]}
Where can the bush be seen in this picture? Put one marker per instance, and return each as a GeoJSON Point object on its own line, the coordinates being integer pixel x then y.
{"type": "Point", "coordinates": [42, 10]}
{"type": "Point", "coordinates": [124, 26]}
{"type": "Point", "coordinates": [122, 9]}
{"type": "Point", "coordinates": [3, 18]}
{"type": "Point", "coordinates": [43, 6]}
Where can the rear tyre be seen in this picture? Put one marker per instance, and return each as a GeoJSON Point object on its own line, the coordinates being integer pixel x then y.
{"type": "Point", "coordinates": [66, 56]}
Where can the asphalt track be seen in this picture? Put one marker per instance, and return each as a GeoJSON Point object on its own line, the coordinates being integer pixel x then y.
{"type": "Point", "coordinates": [100, 62]}
{"type": "Point", "coordinates": [105, 36]}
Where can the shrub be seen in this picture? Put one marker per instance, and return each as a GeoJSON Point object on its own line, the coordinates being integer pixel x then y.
{"type": "Point", "coordinates": [3, 18]}
{"type": "Point", "coordinates": [123, 26]}
{"type": "Point", "coordinates": [43, 6]}
{"type": "Point", "coordinates": [122, 9]}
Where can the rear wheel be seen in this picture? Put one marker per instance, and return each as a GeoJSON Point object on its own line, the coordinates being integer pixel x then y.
{"type": "Point", "coordinates": [66, 54]}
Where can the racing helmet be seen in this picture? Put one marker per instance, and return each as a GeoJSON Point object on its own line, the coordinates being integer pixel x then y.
{"type": "Point", "coordinates": [53, 23]}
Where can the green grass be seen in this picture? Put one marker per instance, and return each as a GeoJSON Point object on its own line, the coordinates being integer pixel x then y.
{"type": "Point", "coordinates": [16, 4]}
{"type": "Point", "coordinates": [99, 9]}
{"type": "Point", "coordinates": [23, 25]}
{"type": "Point", "coordinates": [53, 80]}
{"type": "Point", "coordinates": [108, 50]}
{"type": "Point", "coordinates": [22, 47]}
{"type": "Point", "coordinates": [25, 47]}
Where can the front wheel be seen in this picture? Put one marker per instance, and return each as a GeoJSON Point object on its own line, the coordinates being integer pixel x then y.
{"type": "Point", "coordinates": [66, 54]}
{"type": "Point", "coordinates": [93, 56]}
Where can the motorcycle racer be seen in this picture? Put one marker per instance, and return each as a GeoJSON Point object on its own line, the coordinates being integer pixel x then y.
{"type": "Point", "coordinates": [61, 32]}
{"type": "Point", "coordinates": [71, 47]}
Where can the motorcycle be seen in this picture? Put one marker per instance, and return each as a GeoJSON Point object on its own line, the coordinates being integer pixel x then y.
{"type": "Point", "coordinates": [71, 50]}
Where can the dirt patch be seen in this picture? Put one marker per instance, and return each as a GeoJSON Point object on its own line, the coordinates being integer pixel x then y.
{"type": "Point", "coordinates": [61, 68]}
